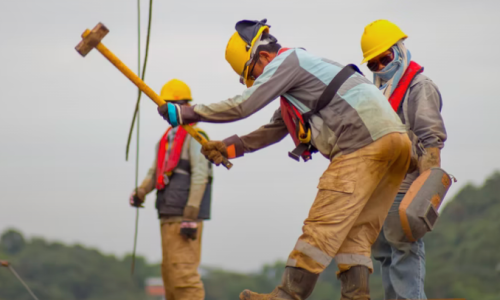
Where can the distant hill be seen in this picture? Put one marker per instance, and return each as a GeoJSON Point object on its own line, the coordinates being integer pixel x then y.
{"type": "Point", "coordinates": [463, 261]}
{"type": "Point", "coordinates": [55, 271]}
{"type": "Point", "coordinates": [464, 251]}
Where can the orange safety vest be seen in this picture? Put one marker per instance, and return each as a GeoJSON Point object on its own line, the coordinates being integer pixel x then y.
{"type": "Point", "coordinates": [165, 165]}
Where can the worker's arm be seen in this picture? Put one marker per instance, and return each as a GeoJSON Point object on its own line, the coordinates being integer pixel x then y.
{"type": "Point", "coordinates": [279, 76]}
{"type": "Point", "coordinates": [148, 184]}
{"type": "Point", "coordinates": [265, 136]}
{"type": "Point", "coordinates": [426, 121]}
{"type": "Point", "coordinates": [236, 146]}
{"type": "Point", "coordinates": [200, 174]}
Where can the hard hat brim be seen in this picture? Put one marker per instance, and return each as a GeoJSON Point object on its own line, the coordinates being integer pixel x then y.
{"type": "Point", "coordinates": [379, 50]}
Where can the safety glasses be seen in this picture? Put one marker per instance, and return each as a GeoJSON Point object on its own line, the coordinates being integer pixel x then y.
{"type": "Point", "coordinates": [242, 75]}
{"type": "Point", "coordinates": [250, 73]}
{"type": "Point", "coordinates": [373, 64]}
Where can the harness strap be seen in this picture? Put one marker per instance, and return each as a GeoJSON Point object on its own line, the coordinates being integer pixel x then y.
{"type": "Point", "coordinates": [332, 89]}
{"type": "Point", "coordinates": [299, 151]}
{"type": "Point", "coordinates": [325, 98]}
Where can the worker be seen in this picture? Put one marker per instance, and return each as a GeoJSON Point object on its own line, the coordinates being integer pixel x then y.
{"type": "Point", "coordinates": [354, 127]}
{"type": "Point", "coordinates": [417, 101]}
{"type": "Point", "coordinates": [182, 177]}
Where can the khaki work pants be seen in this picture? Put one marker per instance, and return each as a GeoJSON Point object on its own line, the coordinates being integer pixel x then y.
{"type": "Point", "coordinates": [354, 197]}
{"type": "Point", "coordinates": [181, 258]}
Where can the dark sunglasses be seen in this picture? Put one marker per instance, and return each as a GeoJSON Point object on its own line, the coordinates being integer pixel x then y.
{"type": "Point", "coordinates": [384, 60]}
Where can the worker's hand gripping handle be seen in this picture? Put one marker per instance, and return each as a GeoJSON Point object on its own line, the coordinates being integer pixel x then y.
{"type": "Point", "coordinates": [197, 136]}
{"type": "Point", "coordinates": [92, 39]}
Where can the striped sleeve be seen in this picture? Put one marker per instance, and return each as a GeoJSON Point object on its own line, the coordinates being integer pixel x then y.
{"type": "Point", "coordinates": [278, 77]}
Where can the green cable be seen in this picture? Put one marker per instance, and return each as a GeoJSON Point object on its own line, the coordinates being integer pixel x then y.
{"type": "Point", "coordinates": [137, 114]}
{"type": "Point", "coordinates": [137, 141]}
{"type": "Point", "coordinates": [143, 73]}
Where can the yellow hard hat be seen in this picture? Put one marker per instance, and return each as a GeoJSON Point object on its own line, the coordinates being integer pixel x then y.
{"type": "Point", "coordinates": [378, 37]}
{"type": "Point", "coordinates": [242, 45]}
{"type": "Point", "coordinates": [175, 90]}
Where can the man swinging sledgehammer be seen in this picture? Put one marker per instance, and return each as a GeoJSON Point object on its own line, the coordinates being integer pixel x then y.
{"type": "Point", "coordinates": [326, 108]}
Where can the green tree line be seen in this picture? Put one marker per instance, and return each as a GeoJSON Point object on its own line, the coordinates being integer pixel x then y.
{"type": "Point", "coordinates": [463, 261]}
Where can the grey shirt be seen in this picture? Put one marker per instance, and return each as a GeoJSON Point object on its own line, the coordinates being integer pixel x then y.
{"type": "Point", "coordinates": [421, 112]}
{"type": "Point", "coordinates": [356, 116]}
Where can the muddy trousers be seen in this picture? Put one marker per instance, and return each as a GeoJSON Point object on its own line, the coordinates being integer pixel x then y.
{"type": "Point", "coordinates": [354, 197]}
{"type": "Point", "coordinates": [181, 258]}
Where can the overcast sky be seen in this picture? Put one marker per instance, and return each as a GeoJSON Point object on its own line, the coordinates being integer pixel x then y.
{"type": "Point", "coordinates": [64, 119]}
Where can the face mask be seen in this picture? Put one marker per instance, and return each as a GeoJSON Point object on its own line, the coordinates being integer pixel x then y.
{"type": "Point", "coordinates": [390, 70]}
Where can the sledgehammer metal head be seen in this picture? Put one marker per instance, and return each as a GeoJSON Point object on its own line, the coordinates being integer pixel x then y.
{"type": "Point", "coordinates": [91, 39]}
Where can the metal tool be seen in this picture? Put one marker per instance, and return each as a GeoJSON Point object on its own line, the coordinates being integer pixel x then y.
{"type": "Point", "coordinates": [92, 39]}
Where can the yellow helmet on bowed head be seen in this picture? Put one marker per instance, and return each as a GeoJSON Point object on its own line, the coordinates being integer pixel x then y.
{"type": "Point", "coordinates": [242, 45]}
{"type": "Point", "coordinates": [175, 90]}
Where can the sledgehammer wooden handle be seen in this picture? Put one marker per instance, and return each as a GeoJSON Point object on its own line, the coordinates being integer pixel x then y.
{"type": "Point", "coordinates": [93, 39]}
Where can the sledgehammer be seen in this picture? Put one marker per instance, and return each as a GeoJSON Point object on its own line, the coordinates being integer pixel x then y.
{"type": "Point", "coordinates": [92, 39]}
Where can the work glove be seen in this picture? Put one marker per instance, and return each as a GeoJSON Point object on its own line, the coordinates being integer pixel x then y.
{"type": "Point", "coordinates": [170, 113]}
{"type": "Point", "coordinates": [137, 198]}
{"type": "Point", "coordinates": [214, 151]}
{"type": "Point", "coordinates": [189, 229]}
{"type": "Point", "coordinates": [430, 159]}
{"type": "Point", "coordinates": [413, 164]}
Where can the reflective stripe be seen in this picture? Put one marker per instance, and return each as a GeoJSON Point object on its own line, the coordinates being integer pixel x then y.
{"type": "Point", "coordinates": [354, 259]}
{"type": "Point", "coordinates": [313, 252]}
{"type": "Point", "coordinates": [291, 262]}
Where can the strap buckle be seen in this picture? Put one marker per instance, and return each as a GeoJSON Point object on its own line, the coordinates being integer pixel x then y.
{"type": "Point", "coordinates": [299, 152]}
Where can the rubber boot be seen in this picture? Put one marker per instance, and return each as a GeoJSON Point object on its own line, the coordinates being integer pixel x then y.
{"type": "Point", "coordinates": [296, 284]}
{"type": "Point", "coordinates": [354, 283]}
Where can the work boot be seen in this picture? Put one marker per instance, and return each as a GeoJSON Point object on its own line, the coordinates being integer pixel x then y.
{"type": "Point", "coordinates": [354, 283]}
{"type": "Point", "coordinates": [296, 284]}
